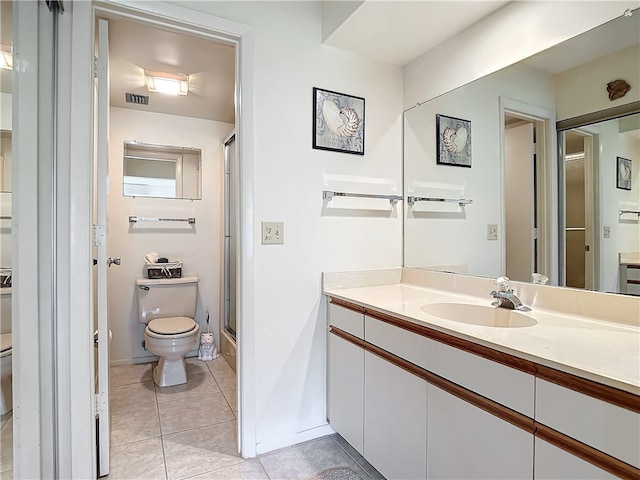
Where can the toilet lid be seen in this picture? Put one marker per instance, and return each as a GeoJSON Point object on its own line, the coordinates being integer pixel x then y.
{"type": "Point", "coordinates": [171, 325]}
{"type": "Point", "coordinates": [5, 342]}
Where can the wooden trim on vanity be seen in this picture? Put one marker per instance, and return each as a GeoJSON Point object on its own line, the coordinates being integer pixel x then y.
{"type": "Point", "coordinates": [494, 408]}
{"type": "Point", "coordinates": [347, 305]}
{"type": "Point", "coordinates": [459, 343]}
{"type": "Point", "coordinates": [588, 454]}
{"type": "Point", "coordinates": [593, 389]}
{"type": "Point", "coordinates": [358, 342]}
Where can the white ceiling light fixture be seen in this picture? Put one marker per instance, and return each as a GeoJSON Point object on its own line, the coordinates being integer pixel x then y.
{"type": "Point", "coordinates": [169, 83]}
{"type": "Point", "coordinates": [6, 57]}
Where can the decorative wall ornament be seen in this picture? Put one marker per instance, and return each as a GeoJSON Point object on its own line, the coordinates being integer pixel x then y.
{"type": "Point", "coordinates": [338, 122]}
{"type": "Point", "coordinates": [623, 176]}
{"type": "Point", "coordinates": [453, 140]}
{"type": "Point", "coordinates": [617, 89]}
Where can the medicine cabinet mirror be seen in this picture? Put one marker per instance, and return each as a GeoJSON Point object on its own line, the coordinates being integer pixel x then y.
{"type": "Point", "coordinates": [161, 171]}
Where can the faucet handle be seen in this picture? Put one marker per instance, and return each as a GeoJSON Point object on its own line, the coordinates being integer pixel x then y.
{"type": "Point", "coordinates": [502, 283]}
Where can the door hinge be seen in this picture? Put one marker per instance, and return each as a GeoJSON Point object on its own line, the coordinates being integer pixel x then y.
{"type": "Point", "coordinates": [100, 404]}
{"type": "Point", "coordinates": [534, 148]}
{"type": "Point", "coordinates": [98, 235]}
{"type": "Point", "coordinates": [535, 233]}
{"type": "Point", "coordinates": [95, 67]}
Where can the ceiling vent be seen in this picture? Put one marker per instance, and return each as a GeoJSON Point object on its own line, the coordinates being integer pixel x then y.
{"type": "Point", "coordinates": [137, 99]}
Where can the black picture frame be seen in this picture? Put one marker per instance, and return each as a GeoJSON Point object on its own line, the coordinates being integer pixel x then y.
{"type": "Point", "coordinates": [623, 173]}
{"type": "Point", "coordinates": [338, 122]}
{"type": "Point", "coordinates": [453, 141]}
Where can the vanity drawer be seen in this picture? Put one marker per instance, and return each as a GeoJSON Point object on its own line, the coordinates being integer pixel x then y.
{"type": "Point", "coordinates": [505, 385]}
{"type": "Point", "coordinates": [347, 319]}
{"type": "Point", "coordinates": [602, 425]}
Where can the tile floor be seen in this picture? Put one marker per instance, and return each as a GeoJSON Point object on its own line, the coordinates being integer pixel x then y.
{"type": "Point", "coordinates": [189, 431]}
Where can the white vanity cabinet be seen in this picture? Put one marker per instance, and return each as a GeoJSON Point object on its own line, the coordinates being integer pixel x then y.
{"type": "Point", "coordinates": [553, 463]}
{"type": "Point", "coordinates": [420, 403]}
{"type": "Point", "coordinates": [346, 376]}
{"type": "Point", "coordinates": [395, 420]}
{"type": "Point", "coordinates": [602, 425]}
{"type": "Point", "coordinates": [465, 441]}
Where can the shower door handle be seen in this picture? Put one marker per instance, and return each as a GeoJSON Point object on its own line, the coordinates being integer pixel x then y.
{"type": "Point", "coordinates": [111, 261]}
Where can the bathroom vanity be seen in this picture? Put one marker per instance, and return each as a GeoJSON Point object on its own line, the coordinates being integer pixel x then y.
{"type": "Point", "coordinates": [426, 379]}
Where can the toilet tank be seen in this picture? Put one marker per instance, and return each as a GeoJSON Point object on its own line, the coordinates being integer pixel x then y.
{"type": "Point", "coordinates": [166, 297]}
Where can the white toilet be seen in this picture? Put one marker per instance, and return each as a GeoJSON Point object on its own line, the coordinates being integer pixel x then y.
{"type": "Point", "coordinates": [167, 307]}
{"type": "Point", "coordinates": [5, 373]}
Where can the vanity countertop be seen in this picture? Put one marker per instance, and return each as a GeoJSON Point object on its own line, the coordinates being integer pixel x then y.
{"type": "Point", "coordinates": [607, 352]}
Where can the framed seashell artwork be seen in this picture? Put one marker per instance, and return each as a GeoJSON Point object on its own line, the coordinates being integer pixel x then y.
{"type": "Point", "coordinates": [338, 122]}
{"type": "Point", "coordinates": [453, 140]}
{"type": "Point", "coordinates": [623, 174]}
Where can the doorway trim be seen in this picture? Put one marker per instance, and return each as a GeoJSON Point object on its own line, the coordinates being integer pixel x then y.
{"type": "Point", "coordinates": [194, 22]}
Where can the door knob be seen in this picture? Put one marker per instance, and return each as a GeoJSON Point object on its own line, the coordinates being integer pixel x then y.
{"type": "Point", "coordinates": [111, 261]}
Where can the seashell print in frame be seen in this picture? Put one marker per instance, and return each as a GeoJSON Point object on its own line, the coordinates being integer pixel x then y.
{"type": "Point", "coordinates": [338, 122]}
{"type": "Point", "coordinates": [623, 173]}
{"type": "Point", "coordinates": [453, 141]}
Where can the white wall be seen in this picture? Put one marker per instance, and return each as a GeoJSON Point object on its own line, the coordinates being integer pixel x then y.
{"type": "Point", "coordinates": [5, 111]}
{"type": "Point", "coordinates": [510, 34]}
{"type": "Point", "coordinates": [583, 90]}
{"type": "Point", "coordinates": [457, 238]}
{"type": "Point", "coordinates": [625, 231]}
{"type": "Point", "coordinates": [198, 247]}
{"type": "Point", "coordinates": [289, 323]}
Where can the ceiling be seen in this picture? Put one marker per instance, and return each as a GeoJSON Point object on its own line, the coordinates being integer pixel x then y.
{"type": "Point", "coordinates": [210, 64]}
{"type": "Point", "coordinates": [395, 32]}
{"type": "Point", "coordinates": [398, 32]}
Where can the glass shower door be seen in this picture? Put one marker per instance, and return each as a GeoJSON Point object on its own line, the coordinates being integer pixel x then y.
{"type": "Point", "coordinates": [230, 233]}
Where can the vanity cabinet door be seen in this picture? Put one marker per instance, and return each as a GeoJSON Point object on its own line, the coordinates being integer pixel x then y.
{"type": "Point", "coordinates": [346, 390]}
{"type": "Point", "coordinates": [553, 463]}
{"type": "Point", "coordinates": [465, 441]}
{"type": "Point", "coordinates": [395, 420]}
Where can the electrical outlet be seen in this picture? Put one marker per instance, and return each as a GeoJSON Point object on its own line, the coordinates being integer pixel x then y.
{"type": "Point", "coordinates": [492, 231]}
{"type": "Point", "coordinates": [607, 232]}
{"type": "Point", "coordinates": [272, 233]}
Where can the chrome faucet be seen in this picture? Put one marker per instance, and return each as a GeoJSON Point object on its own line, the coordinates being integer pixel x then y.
{"type": "Point", "coordinates": [505, 297]}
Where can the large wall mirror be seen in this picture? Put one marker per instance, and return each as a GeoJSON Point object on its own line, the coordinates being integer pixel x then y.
{"type": "Point", "coordinates": [161, 171]}
{"type": "Point", "coordinates": [541, 195]}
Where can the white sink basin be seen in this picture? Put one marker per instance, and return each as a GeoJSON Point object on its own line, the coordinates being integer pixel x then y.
{"type": "Point", "coordinates": [487, 316]}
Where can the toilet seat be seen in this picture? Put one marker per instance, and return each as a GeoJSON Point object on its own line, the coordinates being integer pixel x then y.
{"type": "Point", "coordinates": [174, 327]}
{"type": "Point", "coordinates": [5, 344]}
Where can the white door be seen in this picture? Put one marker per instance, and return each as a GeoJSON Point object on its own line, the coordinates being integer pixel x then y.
{"type": "Point", "coordinates": [103, 263]}
{"type": "Point", "coordinates": [519, 205]}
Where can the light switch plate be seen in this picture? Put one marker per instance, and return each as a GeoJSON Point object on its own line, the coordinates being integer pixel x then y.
{"type": "Point", "coordinates": [272, 233]}
{"type": "Point", "coordinates": [607, 232]}
{"type": "Point", "coordinates": [492, 231]}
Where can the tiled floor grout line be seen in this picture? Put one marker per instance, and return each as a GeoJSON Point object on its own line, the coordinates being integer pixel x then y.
{"type": "Point", "coordinates": [164, 455]}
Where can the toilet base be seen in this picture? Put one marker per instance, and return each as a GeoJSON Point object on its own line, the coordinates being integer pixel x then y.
{"type": "Point", "coordinates": [170, 372]}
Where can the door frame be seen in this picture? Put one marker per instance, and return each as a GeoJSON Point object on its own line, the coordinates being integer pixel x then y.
{"type": "Point", "coordinates": [546, 180]}
{"type": "Point", "coordinates": [242, 36]}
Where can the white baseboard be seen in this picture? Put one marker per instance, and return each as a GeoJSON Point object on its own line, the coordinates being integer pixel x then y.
{"type": "Point", "coordinates": [299, 437]}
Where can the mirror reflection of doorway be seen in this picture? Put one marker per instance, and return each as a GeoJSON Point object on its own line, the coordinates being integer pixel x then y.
{"type": "Point", "coordinates": [579, 215]}
{"type": "Point", "coordinates": [520, 207]}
